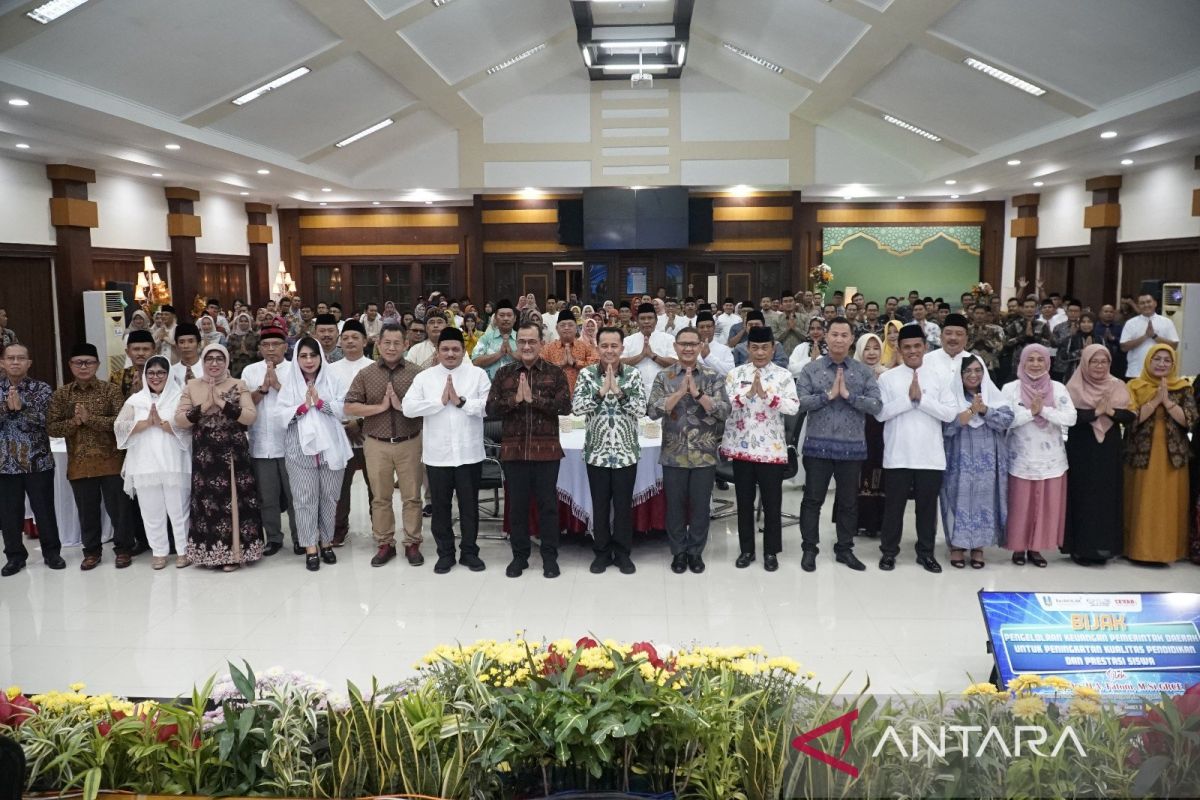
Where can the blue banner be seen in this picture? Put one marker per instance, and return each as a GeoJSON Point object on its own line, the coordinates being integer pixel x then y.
{"type": "Point", "coordinates": [1137, 643]}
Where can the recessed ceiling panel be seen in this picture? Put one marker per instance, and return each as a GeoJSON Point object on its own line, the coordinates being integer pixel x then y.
{"type": "Point", "coordinates": [560, 112]}
{"type": "Point", "coordinates": [1095, 50]}
{"type": "Point", "coordinates": [390, 8]}
{"type": "Point", "coordinates": [806, 36]}
{"type": "Point", "coordinates": [955, 102]}
{"type": "Point", "coordinates": [175, 55]}
{"type": "Point", "coordinates": [410, 131]}
{"type": "Point", "coordinates": [468, 36]}
{"type": "Point", "coordinates": [711, 111]}
{"type": "Point", "coordinates": [646, 12]}
{"type": "Point", "coordinates": [322, 107]}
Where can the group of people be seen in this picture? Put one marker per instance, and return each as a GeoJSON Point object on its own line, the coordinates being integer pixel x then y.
{"type": "Point", "coordinates": [216, 426]}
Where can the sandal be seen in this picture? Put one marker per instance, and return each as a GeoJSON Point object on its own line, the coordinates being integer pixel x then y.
{"type": "Point", "coordinates": [230, 567]}
{"type": "Point", "coordinates": [977, 563]}
{"type": "Point", "coordinates": [1036, 559]}
{"type": "Point", "coordinates": [1019, 558]}
{"type": "Point", "coordinates": [956, 558]}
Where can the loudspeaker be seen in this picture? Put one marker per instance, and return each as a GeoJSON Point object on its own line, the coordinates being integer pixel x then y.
{"type": "Point", "coordinates": [570, 222]}
{"type": "Point", "coordinates": [700, 220]}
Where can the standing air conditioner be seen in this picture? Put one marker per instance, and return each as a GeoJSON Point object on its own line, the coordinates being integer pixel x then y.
{"type": "Point", "coordinates": [104, 327]}
{"type": "Point", "coordinates": [1181, 305]}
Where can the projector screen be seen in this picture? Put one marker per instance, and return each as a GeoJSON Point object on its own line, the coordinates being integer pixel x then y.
{"type": "Point", "coordinates": [635, 219]}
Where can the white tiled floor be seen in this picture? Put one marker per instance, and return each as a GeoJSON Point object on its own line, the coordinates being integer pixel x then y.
{"type": "Point", "coordinates": [139, 632]}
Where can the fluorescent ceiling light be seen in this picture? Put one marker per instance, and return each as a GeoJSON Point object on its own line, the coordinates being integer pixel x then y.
{"type": "Point", "coordinates": [635, 68]}
{"type": "Point", "coordinates": [282, 80]}
{"type": "Point", "coordinates": [171, 146]}
{"type": "Point", "coordinates": [634, 45]}
{"type": "Point", "coordinates": [908, 126]}
{"type": "Point", "coordinates": [1006, 77]}
{"type": "Point", "coordinates": [951, 182]}
{"type": "Point", "coordinates": [21, 146]}
{"type": "Point", "coordinates": [762, 62]}
{"type": "Point", "coordinates": [1039, 183]}
{"type": "Point", "coordinates": [1108, 135]}
{"type": "Point", "coordinates": [324, 204]}
{"type": "Point", "coordinates": [378, 126]}
{"type": "Point", "coordinates": [48, 12]}
{"type": "Point", "coordinates": [440, 3]}
{"type": "Point", "coordinates": [244, 194]}
{"type": "Point", "coordinates": [326, 189]}
{"type": "Point", "coordinates": [264, 172]}
{"type": "Point", "coordinates": [847, 197]}
{"type": "Point", "coordinates": [508, 62]}
{"type": "Point", "coordinates": [1125, 162]}
{"type": "Point", "coordinates": [682, 51]}
{"type": "Point", "coordinates": [1014, 162]}
{"type": "Point", "coordinates": [953, 197]}
{"type": "Point", "coordinates": [587, 56]}
{"type": "Point", "coordinates": [18, 102]}
{"type": "Point", "coordinates": [374, 202]}
{"type": "Point", "coordinates": [155, 174]}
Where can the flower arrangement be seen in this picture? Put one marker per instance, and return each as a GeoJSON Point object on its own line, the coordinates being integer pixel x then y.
{"type": "Point", "coordinates": [821, 276]}
{"type": "Point", "coordinates": [981, 290]}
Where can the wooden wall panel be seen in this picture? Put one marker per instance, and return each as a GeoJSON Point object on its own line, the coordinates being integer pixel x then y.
{"type": "Point", "coordinates": [27, 295]}
{"type": "Point", "coordinates": [1170, 260]}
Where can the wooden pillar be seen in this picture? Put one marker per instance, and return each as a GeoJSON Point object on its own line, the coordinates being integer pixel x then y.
{"type": "Point", "coordinates": [1025, 230]}
{"type": "Point", "coordinates": [259, 234]}
{"type": "Point", "coordinates": [183, 227]}
{"type": "Point", "coordinates": [473, 255]}
{"type": "Point", "coordinates": [1102, 217]}
{"type": "Point", "coordinates": [806, 242]}
{"type": "Point", "coordinates": [73, 217]}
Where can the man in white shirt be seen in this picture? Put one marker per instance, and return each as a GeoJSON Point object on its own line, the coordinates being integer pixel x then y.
{"type": "Point", "coordinates": [550, 318]}
{"type": "Point", "coordinates": [424, 353]}
{"type": "Point", "coordinates": [726, 320]}
{"type": "Point", "coordinates": [451, 396]}
{"type": "Point", "coordinates": [933, 334]}
{"type": "Point", "coordinates": [268, 437]}
{"type": "Point", "coordinates": [671, 321]}
{"type": "Point", "coordinates": [373, 324]}
{"type": "Point", "coordinates": [713, 354]}
{"type": "Point", "coordinates": [187, 347]}
{"type": "Point", "coordinates": [916, 401]}
{"type": "Point", "coordinates": [1143, 332]}
{"type": "Point", "coordinates": [648, 350]}
{"type": "Point", "coordinates": [353, 343]}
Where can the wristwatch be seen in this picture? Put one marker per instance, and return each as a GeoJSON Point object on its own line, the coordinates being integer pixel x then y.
{"type": "Point", "coordinates": [462, 401]}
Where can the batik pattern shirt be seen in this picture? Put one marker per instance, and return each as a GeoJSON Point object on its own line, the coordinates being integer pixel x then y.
{"type": "Point", "coordinates": [24, 445]}
{"type": "Point", "coordinates": [611, 438]}
{"type": "Point", "coordinates": [690, 435]}
{"type": "Point", "coordinates": [986, 341]}
{"type": "Point", "coordinates": [754, 430]}
{"type": "Point", "coordinates": [91, 447]}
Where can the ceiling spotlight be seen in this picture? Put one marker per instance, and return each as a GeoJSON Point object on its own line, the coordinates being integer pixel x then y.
{"type": "Point", "coordinates": [171, 146]}
{"type": "Point", "coordinates": [1108, 135]}
{"type": "Point", "coordinates": [1039, 183]}
{"type": "Point", "coordinates": [18, 102]}
{"type": "Point", "coordinates": [953, 197]}
{"type": "Point", "coordinates": [900, 197]}
{"type": "Point", "coordinates": [908, 126]}
{"type": "Point", "coordinates": [155, 174]}
{"type": "Point", "coordinates": [244, 194]}
{"type": "Point", "coordinates": [264, 172]}
{"type": "Point", "coordinates": [1014, 162]}
{"type": "Point", "coordinates": [326, 189]}
{"type": "Point", "coordinates": [374, 202]}
{"type": "Point", "coordinates": [21, 146]}
{"type": "Point", "coordinates": [1125, 162]}
{"type": "Point", "coordinates": [324, 204]}
{"type": "Point", "coordinates": [951, 182]}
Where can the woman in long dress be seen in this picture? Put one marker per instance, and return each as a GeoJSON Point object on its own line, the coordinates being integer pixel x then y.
{"type": "Point", "coordinates": [242, 344]}
{"type": "Point", "coordinates": [157, 467]}
{"type": "Point", "coordinates": [1037, 459]}
{"type": "Point", "coordinates": [974, 496]}
{"type": "Point", "coordinates": [315, 448]}
{"type": "Point", "coordinates": [225, 529]}
{"type": "Point", "coordinates": [1095, 513]}
{"type": "Point", "coordinates": [1156, 461]}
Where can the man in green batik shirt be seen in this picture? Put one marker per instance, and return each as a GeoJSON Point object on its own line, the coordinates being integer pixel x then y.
{"type": "Point", "coordinates": [985, 339]}
{"type": "Point", "coordinates": [613, 398]}
{"type": "Point", "coordinates": [692, 403]}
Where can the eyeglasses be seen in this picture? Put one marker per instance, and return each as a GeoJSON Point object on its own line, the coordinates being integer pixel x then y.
{"type": "Point", "coordinates": [214, 359]}
{"type": "Point", "coordinates": [687, 344]}
{"type": "Point", "coordinates": [84, 363]}
{"type": "Point", "coordinates": [156, 373]}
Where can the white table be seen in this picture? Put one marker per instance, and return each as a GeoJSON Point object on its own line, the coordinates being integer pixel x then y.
{"type": "Point", "coordinates": [573, 488]}
{"type": "Point", "coordinates": [64, 502]}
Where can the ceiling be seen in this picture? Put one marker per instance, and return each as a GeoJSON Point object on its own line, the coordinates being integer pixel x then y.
{"type": "Point", "coordinates": [111, 83]}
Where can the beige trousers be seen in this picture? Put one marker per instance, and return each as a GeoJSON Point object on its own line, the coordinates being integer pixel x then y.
{"type": "Point", "coordinates": [390, 466]}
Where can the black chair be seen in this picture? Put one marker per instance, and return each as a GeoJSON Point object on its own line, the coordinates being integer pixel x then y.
{"type": "Point", "coordinates": [792, 425]}
{"type": "Point", "coordinates": [493, 475]}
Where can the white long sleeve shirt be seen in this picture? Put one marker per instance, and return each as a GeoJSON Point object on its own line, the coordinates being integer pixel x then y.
{"type": "Point", "coordinates": [912, 432]}
{"type": "Point", "coordinates": [268, 435]}
{"type": "Point", "coordinates": [724, 324]}
{"type": "Point", "coordinates": [451, 436]}
{"type": "Point", "coordinates": [1037, 452]}
{"type": "Point", "coordinates": [719, 358]}
{"type": "Point", "coordinates": [661, 344]}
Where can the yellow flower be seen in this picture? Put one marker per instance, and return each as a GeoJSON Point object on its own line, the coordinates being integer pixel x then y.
{"type": "Point", "coordinates": [1086, 693]}
{"type": "Point", "coordinates": [1081, 707]}
{"type": "Point", "coordinates": [1055, 682]}
{"type": "Point", "coordinates": [783, 664]}
{"type": "Point", "coordinates": [980, 688]}
{"type": "Point", "coordinates": [77, 687]}
{"type": "Point", "coordinates": [12, 691]}
{"type": "Point", "coordinates": [1029, 707]}
{"type": "Point", "coordinates": [1022, 684]}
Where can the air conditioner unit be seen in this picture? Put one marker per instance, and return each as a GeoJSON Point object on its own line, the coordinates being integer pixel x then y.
{"type": "Point", "coordinates": [104, 327]}
{"type": "Point", "coordinates": [1181, 305]}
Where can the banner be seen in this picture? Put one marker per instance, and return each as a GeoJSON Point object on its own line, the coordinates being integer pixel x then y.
{"type": "Point", "coordinates": [1133, 644]}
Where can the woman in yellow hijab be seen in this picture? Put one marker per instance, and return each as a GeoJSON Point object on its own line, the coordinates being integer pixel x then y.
{"type": "Point", "coordinates": [891, 346]}
{"type": "Point", "coordinates": [1156, 460]}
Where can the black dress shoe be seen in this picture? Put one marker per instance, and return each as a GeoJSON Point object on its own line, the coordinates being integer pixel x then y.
{"type": "Point", "coordinates": [427, 510]}
{"type": "Point", "coordinates": [515, 567]}
{"type": "Point", "coordinates": [744, 560]}
{"type": "Point", "coordinates": [930, 564]}
{"type": "Point", "coordinates": [808, 561]}
{"type": "Point", "coordinates": [443, 565]}
{"type": "Point", "coordinates": [312, 562]}
{"type": "Point", "coordinates": [600, 563]}
{"type": "Point", "coordinates": [298, 550]}
{"type": "Point", "coordinates": [272, 548]}
{"type": "Point", "coordinates": [770, 562]}
{"type": "Point", "coordinates": [550, 569]}
{"type": "Point", "coordinates": [328, 556]}
{"type": "Point", "coordinates": [473, 563]}
{"type": "Point", "coordinates": [887, 563]}
{"type": "Point", "coordinates": [851, 561]}
{"type": "Point", "coordinates": [696, 564]}
{"type": "Point", "coordinates": [624, 564]}
{"type": "Point", "coordinates": [56, 562]}
{"type": "Point", "coordinates": [12, 568]}
{"type": "Point", "coordinates": [679, 564]}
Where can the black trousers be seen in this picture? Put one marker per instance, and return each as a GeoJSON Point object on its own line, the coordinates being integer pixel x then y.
{"type": "Point", "coordinates": [925, 485]}
{"type": "Point", "coordinates": [39, 487]}
{"type": "Point", "coordinates": [612, 509]}
{"type": "Point", "coordinates": [817, 474]}
{"type": "Point", "coordinates": [752, 479]}
{"type": "Point", "coordinates": [88, 494]}
{"type": "Point", "coordinates": [444, 484]}
{"type": "Point", "coordinates": [688, 494]}
{"type": "Point", "coordinates": [357, 463]}
{"type": "Point", "coordinates": [536, 480]}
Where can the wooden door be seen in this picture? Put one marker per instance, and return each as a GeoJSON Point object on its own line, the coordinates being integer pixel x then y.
{"type": "Point", "coordinates": [27, 296]}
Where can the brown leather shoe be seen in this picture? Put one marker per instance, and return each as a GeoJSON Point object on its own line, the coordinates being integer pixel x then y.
{"type": "Point", "coordinates": [339, 539]}
{"type": "Point", "coordinates": [385, 554]}
{"type": "Point", "coordinates": [413, 553]}
{"type": "Point", "coordinates": [89, 562]}
{"type": "Point", "coordinates": [124, 560]}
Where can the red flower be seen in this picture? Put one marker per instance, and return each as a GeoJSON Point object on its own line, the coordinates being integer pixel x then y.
{"type": "Point", "coordinates": [651, 653]}
{"type": "Point", "coordinates": [196, 740]}
{"type": "Point", "coordinates": [165, 732]}
{"type": "Point", "coordinates": [15, 711]}
{"type": "Point", "coordinates": [586, 642]}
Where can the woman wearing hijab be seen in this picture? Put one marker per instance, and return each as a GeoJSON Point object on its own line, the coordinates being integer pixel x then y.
{"type": "Point", "coordinates": [208, 331]}
{"type": "Point", "coordinates": [974, 489]}
{"type": "Point", "coordinates": [812, 348]}
{"type": "Point", "coordinates": [1072, 349]}
{"type": "Point", "coordinates": [1156, 461]}
{"type": "Point", "coordinates": [158, 459]}
{"type": "Point", "coordinates": [315, 449]}
{"type": "Point", "coordinates": [242, 344]}
{"type": "Point", "coordinates": [225, 529]}
{"type": "Point", "coordinates": [891, 344]}
{"type": "Point", "coordinates": [390, 314]}
{"type": "Point", "coordinates": [1037, 459]}
{"type": "Point", "coordinates": [588, 334]}
{"type": "Point", "coordinates": [1095, 500]}
{"type": "Point", "coordinates": [868, 350]}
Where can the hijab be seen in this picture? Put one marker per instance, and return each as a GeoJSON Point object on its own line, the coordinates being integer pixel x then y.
{"type": "Point", "coordinates": [860, 349]}
{"type": "Point", "coordinates": [220, 348]}
{"type": "Point", "coordinates": [389, 312]}
{"type": "Point", "coordinates": [889, 352]}
{"type": "Point", "coordinates": [320, 433]}
{"type": "Point", "coordinates": [249, 324]}
{"type": "Point", "coordinates": [992, 398]}
{"type": "Point", "coordinates": [1086, 392]}
{"type": "Point", "coordinates": [1145, 386]}
{"type": "Point", "coordinates": [212, 336]}
{"type": "Point", "coordinates": [1032, 388]}
{"type": "Point", "coordinates": [144, 317]}
{"type": "Point", "coordinates": [142, 399]}
{"type": "Point", "coordinates": [589, 332]}
{"type": "Point", "coordinates": [152, 459]}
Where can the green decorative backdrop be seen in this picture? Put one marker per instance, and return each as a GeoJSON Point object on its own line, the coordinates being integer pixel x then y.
{"type": "Point", "coordinates": [939, 261]}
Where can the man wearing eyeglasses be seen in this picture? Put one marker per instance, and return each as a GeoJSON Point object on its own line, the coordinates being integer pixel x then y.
{"type": "Point", "coordinates": [26, 464]}
{"type": "Point", "coordinates": [83, 412]}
